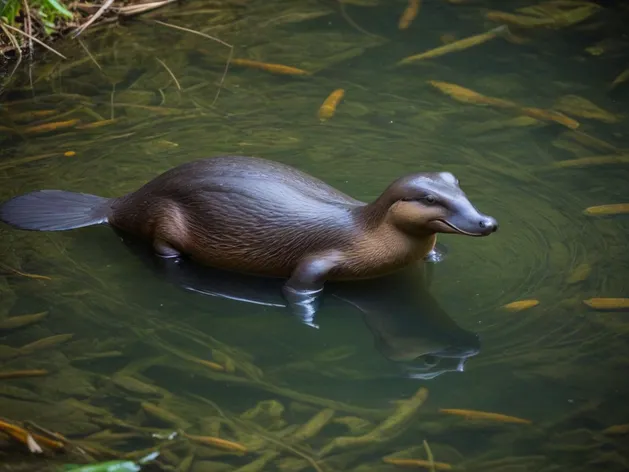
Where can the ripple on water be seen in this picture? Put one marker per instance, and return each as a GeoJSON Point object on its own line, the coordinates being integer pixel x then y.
{"type": "Point", "coordinates": [543, 236]}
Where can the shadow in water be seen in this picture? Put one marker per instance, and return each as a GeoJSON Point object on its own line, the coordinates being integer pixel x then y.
{"type": "Point", "coordinates": [409, 326]}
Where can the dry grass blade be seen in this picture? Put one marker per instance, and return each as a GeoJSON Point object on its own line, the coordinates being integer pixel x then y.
{"type": "Point", "coordinates": [29, 28]}
{"type": "Point", "coordinates": [12, 39]}
{"type": "Point", "coordinates": [16, 46]}
{"type": "Point", "coordinates": [229, 58]}
{"type": "Point", "coordinates": [87, 51]}
{"type": "Point", "coordinates": [4, 25]}
{"type": "Point", "coordinates": [131, 10]}
{"type": "Point", "coordinates": [193, 32]}
{"type": "Point", "coordinates": [23, 274]}
{"type": "Point", "coordinates": [204, 35]}
{"type": "Point", "coordinates": [94, 17]}
{"type": "Point", "coordinates": [170, 72]}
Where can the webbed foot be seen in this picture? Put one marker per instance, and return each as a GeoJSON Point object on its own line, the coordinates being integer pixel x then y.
{"type": "Point", "coordinates": [303, 303]}
{"type": "Point", "coordinates": [437, 254]}
{"type": "Point", "coordinates": [304, 288]}
{"type": "Point", "coordinates": [165, 250]}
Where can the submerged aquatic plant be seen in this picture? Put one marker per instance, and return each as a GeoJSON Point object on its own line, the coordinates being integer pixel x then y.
{"type": "Point", "coordinates": [124, 385]}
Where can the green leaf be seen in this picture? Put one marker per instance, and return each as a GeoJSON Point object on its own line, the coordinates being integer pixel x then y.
{"type": "Point", "coordinates": [9, 10]}
{"type": "Point", "coordinates": [60, 8]}
{"type": "Point", "coordinates": [49, 27]}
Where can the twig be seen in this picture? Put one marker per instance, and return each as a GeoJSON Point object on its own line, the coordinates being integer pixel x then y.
{"type": "Point", "coordinates": [353, 23]}
{"type": "Point", "coordinates": [94, 17]}
{"type": "Point", "coordinates": [12, 40]}
{"type": "Point", "coordinates": [90, 55]}
{"type": "Point", "coordinates": [220, 84]}
{"type": "Point", "coordinates": [29, 28]}
{"type": "Point", "coordinates": [4, 25]}
{"type": "Point", "coordinates": [170, 72]}
{"type": "Point", "coordinates": [229, 58]}
{"type": "Point", "coordinates": [431, 459]}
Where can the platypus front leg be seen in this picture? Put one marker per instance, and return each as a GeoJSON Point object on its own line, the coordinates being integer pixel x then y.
{"type": "Point", "coordinates": [163, 249]}
{"type": "Point", "coordinates": [304, 288]}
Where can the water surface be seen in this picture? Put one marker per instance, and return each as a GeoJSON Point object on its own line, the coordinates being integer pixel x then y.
{"type": "Point", "coordinates": [559, 364]}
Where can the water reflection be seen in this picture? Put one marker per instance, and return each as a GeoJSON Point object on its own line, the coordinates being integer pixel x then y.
{"type": "Point", "coordinates": [408, 324]}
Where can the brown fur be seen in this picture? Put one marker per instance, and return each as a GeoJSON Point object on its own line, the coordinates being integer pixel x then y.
{"type": "Point", "coordinates": [256, 216]}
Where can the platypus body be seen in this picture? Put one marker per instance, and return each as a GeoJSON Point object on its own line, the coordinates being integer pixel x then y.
{"type": "Point", "coordinates": [256, 216]}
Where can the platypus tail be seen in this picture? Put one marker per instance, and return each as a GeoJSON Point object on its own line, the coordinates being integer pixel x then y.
{"type": "Point", "coordinates": [54, 210]}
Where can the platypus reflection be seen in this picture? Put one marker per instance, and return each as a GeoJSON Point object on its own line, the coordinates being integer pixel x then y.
{"type": "Point", "coordinates": [256, 216]}
{"type": "Point", "coordinates": [408, 325]}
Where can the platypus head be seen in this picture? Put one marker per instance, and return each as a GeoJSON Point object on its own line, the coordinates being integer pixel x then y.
{"type": "Point", "coordinates": [434, 203]}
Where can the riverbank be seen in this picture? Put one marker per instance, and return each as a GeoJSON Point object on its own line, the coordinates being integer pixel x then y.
{"type": "Point", "coordinates": [28, 25]}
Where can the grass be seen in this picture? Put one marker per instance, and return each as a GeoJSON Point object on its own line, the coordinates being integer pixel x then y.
{"type": "Point", "coordinates": [26, 24]}
{"type": "Point", "coordinates": [34, 18]}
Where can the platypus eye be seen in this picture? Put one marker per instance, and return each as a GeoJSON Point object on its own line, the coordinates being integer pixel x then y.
{"type": "Point", "coordinates": [430, 199]}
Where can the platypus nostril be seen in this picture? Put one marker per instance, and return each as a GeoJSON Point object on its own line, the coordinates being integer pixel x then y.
{"type": "Point", "coordinates": [489, 224]}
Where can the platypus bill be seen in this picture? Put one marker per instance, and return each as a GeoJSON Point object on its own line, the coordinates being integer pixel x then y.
{"type": "Point", "coordinates": [256, 216]}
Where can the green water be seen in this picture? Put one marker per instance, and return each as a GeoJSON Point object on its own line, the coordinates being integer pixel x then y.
{"type": "Point", "coordinates": [558, 364]}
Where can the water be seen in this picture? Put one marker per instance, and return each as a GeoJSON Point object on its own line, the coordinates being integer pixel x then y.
{"type": "Point", "coordinates": [558, 364]}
